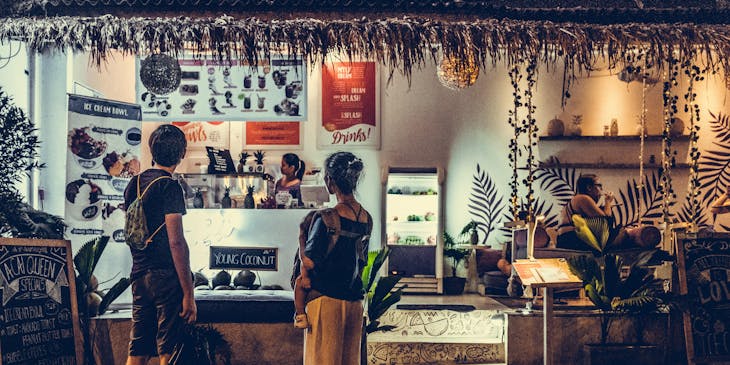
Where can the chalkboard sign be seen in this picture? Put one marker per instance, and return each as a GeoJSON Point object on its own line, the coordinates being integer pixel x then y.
{"type": "Point", "coordinates": [704, 266]}
{"type": "Point", "coordinates": [39, 319]}
{"type": "Point", "coordinates": [221, 161]}
{"type": "Point", "coordinates": [258, 258]}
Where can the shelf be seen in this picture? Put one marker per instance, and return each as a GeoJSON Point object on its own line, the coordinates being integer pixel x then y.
{"type": "Point", "coordinates": [243, 174]}
{"type": "Point", "coordinates": [409, 224]}
{"type": "Point", "coordinates": [610, 138]}
{"type": "Point", "coordinates": [606, 166]}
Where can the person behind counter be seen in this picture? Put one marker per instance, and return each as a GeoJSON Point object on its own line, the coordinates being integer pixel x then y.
{"type": "Point", "coordinates": [162, 286]}
{"type": "Point", "coordinates": [334, 303]}
{"type": "Point", "coordinates": [292, 169]}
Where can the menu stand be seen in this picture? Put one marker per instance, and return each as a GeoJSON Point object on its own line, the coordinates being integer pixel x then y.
{"type": "Point", "coordinates": [547, 274]}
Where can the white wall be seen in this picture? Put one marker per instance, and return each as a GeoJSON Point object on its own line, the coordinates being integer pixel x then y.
{"type": "Point", "coordinates": [426, 124]}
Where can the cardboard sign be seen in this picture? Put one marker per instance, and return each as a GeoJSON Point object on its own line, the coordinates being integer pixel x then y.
{"type": "Point", "coordinates": [39, 322]}
{"type": "Point", "coordinates": [252, 258]}
{"type": "Point", "coordinates": [704, 268]}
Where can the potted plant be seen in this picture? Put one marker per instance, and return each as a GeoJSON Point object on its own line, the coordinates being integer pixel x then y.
{"type": "Point", "coordinates": [633, 297]}
{"type": "Point", "coordinates": [379, 296]}
{"type": "Point", "coordinates": [471, 230]}
{"type": "Point", "coordinates": [454, 285]}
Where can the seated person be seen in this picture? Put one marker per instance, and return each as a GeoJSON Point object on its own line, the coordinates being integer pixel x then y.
{"type": "Point", "coordinates": [584, 203]}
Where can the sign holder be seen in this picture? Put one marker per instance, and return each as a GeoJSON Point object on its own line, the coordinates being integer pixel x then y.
{"type": "Point", "coordinates": [548, 274]}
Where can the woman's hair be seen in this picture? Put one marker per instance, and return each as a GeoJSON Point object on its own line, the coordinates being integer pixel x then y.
{"type": "Point", "coordinates": [584, 182]}
{"type": "Point", "coordinates": [167, 144]}
{"type": "Point", "coordinates": [343, 168]}
{"type": "Point", "coordinates": [292, 159]}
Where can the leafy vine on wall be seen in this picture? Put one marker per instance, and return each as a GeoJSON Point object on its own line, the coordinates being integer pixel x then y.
{"type": "Point", "coordinates": [715, 162]}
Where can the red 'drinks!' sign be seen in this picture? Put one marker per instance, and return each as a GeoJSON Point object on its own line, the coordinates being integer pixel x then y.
{"type": "Point", "coordinates": [349, 105]}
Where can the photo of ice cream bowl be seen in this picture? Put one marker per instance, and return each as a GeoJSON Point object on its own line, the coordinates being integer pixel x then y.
{"type": "Point", "coordinates": [83, 199]}
{"type": "Point", "coordinates": [86, 146]}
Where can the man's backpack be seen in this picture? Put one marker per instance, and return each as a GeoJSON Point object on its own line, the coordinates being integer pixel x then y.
{"type": "Point", "coordinates": [331, 220]}
{"type": "Point", "coordinates": [135, 227]}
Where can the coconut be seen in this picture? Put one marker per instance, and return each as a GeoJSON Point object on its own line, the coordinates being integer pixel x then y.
{"type": "Point", "coordinates": [244, 278]}
{"type": "Point", "coordinates": [202, 287]}
{"type": "Point", "coordinates": [221, 278]}
{"type": "Point", "coordinates": [223, 287]}
{"type": "Point", "coordinates": [93, 300]}
{"type": "Point", "coordinates": [677, 128]}
{"type": "Point", "coordinates": [199, 279]}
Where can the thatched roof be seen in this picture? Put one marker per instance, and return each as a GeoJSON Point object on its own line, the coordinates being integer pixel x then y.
{"type": "Point", "coordinates": [400, 34]}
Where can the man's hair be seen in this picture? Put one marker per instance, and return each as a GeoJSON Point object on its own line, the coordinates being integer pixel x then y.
{"type": "Point", "coordinates": [585, 181]}
{"type": "Point", "coordinates": [167, 144]}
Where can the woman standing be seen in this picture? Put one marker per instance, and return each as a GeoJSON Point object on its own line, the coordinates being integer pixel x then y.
{"type": "Point", "coordinates": [293, 170]}
{"type": "Point", "coordinates": [334, 303]}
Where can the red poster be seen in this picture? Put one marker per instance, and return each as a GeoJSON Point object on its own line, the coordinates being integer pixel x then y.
{"type": "Point", "coordinates": [349, 105]}
{"type": "Point", "coordinates": [272, 133]}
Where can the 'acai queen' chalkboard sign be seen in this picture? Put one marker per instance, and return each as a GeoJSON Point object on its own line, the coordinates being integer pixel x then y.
{"type": "Point", "coordinates": [704, 269]}
{"type": "Point", "coordinates": [39, 315]}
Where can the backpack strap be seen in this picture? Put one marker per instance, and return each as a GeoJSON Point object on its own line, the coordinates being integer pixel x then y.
{"type": "Point", "coordinates": [139, 197]}
{"type": "Point", "coordinates": [331, 220]}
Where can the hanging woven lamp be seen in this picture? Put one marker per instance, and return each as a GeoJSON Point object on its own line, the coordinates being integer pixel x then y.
{"type": "Point", "coordinates": [160, 74]}
{"type": "Point", "coordinates": [458, 73]}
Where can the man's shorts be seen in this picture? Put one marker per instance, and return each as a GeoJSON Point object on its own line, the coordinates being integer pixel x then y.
{"type": "Point", "coordinates": [156, 306]}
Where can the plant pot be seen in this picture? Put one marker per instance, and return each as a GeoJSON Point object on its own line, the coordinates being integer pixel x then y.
{"type": "Point", "coordinates": [617, 353]}
{"type": "Point", "coordinates": [454, 285]}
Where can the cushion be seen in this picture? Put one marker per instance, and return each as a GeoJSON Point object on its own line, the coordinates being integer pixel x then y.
{"type": "Point", "coordinates": [245, 306]}
{"type": "Point", "coordinates": [487, 259]}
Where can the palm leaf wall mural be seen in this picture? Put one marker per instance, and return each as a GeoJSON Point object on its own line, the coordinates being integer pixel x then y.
{"type": "Point", "coordinates": [560, 182]}
{"type": "Point", "coordinates": [714, 162]}
{"type": "Point", "coordinates": [485, 204]}
{"type": "Point", "coordinates": [685, 215]}
{"type": "Point", "coordinates": [541, 208]}
{"type": "Point", "coordinates": [646, 201]}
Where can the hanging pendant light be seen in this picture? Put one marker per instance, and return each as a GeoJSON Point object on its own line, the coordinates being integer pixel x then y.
{"type": "Point", "coordinates": [458, 73]}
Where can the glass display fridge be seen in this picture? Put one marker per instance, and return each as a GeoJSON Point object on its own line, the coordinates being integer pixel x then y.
{"type": "Point", "coordinates": [413, 226]}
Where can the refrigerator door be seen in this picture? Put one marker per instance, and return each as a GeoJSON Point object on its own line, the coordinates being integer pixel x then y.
{"type": "Point", "coordinates": [413, 222]}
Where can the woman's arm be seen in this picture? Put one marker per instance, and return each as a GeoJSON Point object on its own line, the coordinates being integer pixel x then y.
{"type": "Point", "coordinates": [718, 206]}
{"type": "Point", "coordinates": [587, 207]}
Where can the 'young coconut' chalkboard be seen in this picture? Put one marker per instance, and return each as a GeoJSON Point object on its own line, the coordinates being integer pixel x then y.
{"type": "Point", "coordinates": [252, 258]}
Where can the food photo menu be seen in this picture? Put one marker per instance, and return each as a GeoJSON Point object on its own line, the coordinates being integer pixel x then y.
{"type": "Point", "coordinates": [103, 142]}
{"type": "Point", "coordinates": [188, 88]}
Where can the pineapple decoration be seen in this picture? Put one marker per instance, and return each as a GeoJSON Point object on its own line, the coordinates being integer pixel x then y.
{"type": "Point", "coordinates": [226, 200]}
{"type": "Point", "coordinates": [259, 156]}
{"type": "Point", "coordinates": [577, 130]}
{"type": "Point", "coordinates": [242, 162]}
{"type": "Point", "coordinates": [248, 202]}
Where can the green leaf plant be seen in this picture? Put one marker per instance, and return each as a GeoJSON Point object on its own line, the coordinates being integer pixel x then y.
{"type": "Point", "coordinates": [614, 294]}
{"type": "Point", "coordinates": [379, 293]}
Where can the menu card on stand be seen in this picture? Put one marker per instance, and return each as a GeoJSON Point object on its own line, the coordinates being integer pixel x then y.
{"type": "Point", "coordinates": [221, 161]}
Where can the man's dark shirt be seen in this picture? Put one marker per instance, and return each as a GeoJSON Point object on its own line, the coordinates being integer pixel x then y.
{"type": "Point", "coordinates": [164, 197]}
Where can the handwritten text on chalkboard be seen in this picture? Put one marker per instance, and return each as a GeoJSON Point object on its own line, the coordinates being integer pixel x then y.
{"type": "Point", "coordinates": [259, 258]}
{"type": "Point", "coordinates": [38, 325]}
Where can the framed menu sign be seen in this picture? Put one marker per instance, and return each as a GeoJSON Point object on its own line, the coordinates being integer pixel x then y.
{"type": "Point", "coordinates": [704, 270]}
{"type": "Point", "coordinates": [39, 321]}
{"type": "Point", "coordinates": [273, 135]}
{"type": "Point", "coordinates": [350, 105]}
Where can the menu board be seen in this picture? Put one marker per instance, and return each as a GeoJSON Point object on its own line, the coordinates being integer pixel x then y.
{"type": "Point", "coordinates": [349, 105]}
{"type": "Point", "coordinates": [253, 258]}
{"type": "Point", "coordinates": [273, 135]}
{"type": "Point", "coordinates": [39, 320]}
{"type": "Point", "coordinates": [221, 161]}
{"type": "Point", "coordinates": [214, 90]}
{"type": "Point", "coordinates": [704, 271]}
{"type": "Point", "coordinates": [546, 272]}
{"type": "Point", "coordinates": [103, 142]}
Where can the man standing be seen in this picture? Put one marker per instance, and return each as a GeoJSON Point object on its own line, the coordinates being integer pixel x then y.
{"type": "Point", "coordinates": [162, 287]}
